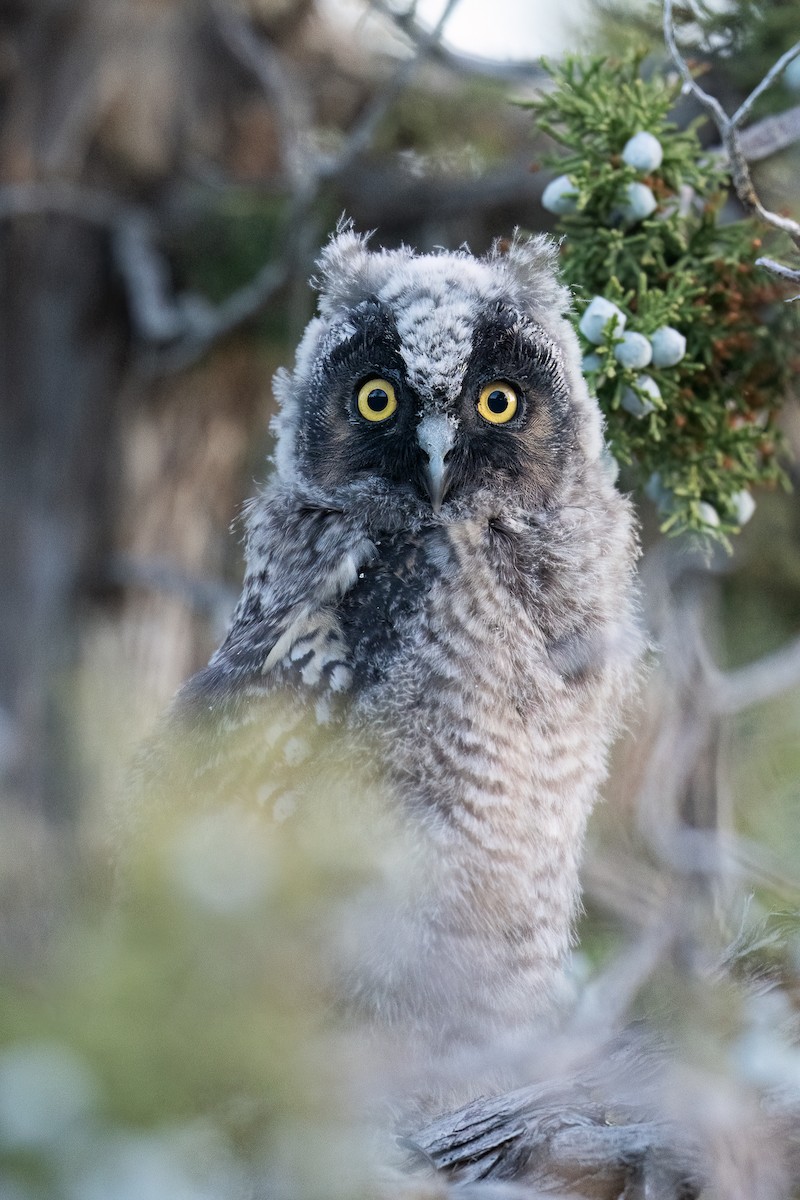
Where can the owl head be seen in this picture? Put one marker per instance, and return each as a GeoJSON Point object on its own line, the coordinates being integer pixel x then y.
{"type": "Point", "coordinates": [443, 381]}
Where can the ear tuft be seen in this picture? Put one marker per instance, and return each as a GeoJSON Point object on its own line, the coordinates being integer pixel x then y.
{"type": "Point", "coordinates": [532, 262]}
{"type": "Point", "coordinates": [347, 269]}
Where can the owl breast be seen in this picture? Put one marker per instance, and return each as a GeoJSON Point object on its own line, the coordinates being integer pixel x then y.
{"type": "Point", "coordinates": [490, 754]}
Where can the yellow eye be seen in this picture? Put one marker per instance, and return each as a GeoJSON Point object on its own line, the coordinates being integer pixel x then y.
{"type": "Point", "coordinates": [498, 402]}
{"type": "Point", "coordinates": [376, 400]}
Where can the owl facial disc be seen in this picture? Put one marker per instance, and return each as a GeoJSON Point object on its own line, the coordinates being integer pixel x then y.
{"type": "Point", "coordinates": [436, 434]}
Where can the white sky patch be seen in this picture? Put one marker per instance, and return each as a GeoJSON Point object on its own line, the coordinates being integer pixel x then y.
{"type": "Point", "coordinates": [509, 29]}
{"type": "Point", "coordinates": [516, 30]}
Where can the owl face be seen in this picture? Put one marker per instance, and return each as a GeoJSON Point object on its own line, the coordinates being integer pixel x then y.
{"type": "Point", "coordinates": [432, 377]}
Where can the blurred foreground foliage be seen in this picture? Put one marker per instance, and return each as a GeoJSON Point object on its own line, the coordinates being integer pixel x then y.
{"type": "Point", "coordinates": [180, 1044]}
{"type": "Point", "coordinates": [177, 1036]}
{"type": "Point", "coordinates": [185, 1046]}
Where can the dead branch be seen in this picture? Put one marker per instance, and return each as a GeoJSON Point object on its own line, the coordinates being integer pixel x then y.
{"type": "Point", "coordinates": [85, 204]}
{"type": "Point", "coordinates": [178, 330]}
{"type": "Point", "coordinates": [728, 128]}
{"type": "Point", "coordinates": [362, 133]}
{"type": "Point", "coordinates": [211, 598]}
{"type": "Point", "coordinates": [759, 681]}
{"type": "Point", "coordinates": [308, 173]}
{"type": "Point", "coordinates": [556, 1137]}
{"type": "Point", "coordinates": [470, 64]}
{"type": "Point", "coordinates": [768, 136]}
{"type": "Point", "coordinates": [287, 98]}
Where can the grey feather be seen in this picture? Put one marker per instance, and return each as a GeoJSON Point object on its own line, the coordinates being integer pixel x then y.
{"type": "Point", "coordinates": [476, 656]}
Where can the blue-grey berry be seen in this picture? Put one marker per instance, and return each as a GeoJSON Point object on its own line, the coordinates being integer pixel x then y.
{"type": "Point", "coordinates": [560, 196]}
{"type": "Point", "coordinates": [639, 202]}
{"type": "Point", "coordinates": [708, 514]}
{"type": "Point", "coordinates": [591, 362]}
{"type": "Point", "coordinates": [791, 76]}
{"type": "Point", "coordinates": [593, 322]}
{"type": "Point", "coordinates": [669, 346]}
{"type": "Point", "coordinates": [633, 351]}
{"type": "Point", "coordinates": [663, 497]}
{"type": "Point", "coordinates": [637, 405]}
{"type": "Point", "coordinates": [643, 151]}
{"type": "Point", "coordinates": [654, 488]}
{"type": "Point", "coordinates": [743, 507]}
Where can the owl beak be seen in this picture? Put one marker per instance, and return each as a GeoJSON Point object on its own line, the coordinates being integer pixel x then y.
{"type": "Point", "coordinates": [436, 435]}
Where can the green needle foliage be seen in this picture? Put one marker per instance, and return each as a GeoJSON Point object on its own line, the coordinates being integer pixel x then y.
{"type": "Point", "coordinates": [708, 433]}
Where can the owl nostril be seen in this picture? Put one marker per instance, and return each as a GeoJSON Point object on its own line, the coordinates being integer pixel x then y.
{"type": "Point", "coordinates": [433, 457]}
{"type": "Point", "coordinates": [436, 436]}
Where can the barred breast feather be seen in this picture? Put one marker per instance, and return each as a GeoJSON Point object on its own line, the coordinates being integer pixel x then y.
{"type": "Point", "coordinates": [439, 595]}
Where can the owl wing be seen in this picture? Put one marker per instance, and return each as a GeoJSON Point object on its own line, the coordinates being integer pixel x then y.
{"type": "Point", "coordinates": [246, 725]}
{"type": "Point", "coordinates": [320, 622]}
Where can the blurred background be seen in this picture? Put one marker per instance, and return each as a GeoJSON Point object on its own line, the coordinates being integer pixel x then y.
{"type": "Point", "coordinates": [168, 171]}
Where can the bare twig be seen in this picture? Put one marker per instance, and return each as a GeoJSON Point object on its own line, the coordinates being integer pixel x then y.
{"type": "Point", "coordinates": [552, 1136]}
{"type": "Point", "coordinates": [758, 682]}
{"type": "Point", "coordinates": [308, 173]}
{"type": "Point", "coordinates": [728, 131]}
{"type": "Point", "coordinates": [768, 136]}
{"type": "Point", "coordinates": [779, 269]}
{"type": "Point", "coordinates": [210, 323]}
{"type": "Point", "coordinates": [774, 73]}
{"type": "Point", "coordinates": [291, 106]}
{"type": "Point", "coordinates": [205, 596]}
{"type": "Point", "coordinates": [471, 64]}
{"type": "Point", "coordinates": [57, 196]}
{"type": "Point", "coordinates": [362, 133]}
{"type": "Point", "coordinates": [178, 330]}
{"type": "Point", "coordinates": [158, 316]}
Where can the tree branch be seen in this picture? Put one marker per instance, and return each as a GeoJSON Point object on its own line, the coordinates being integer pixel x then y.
{"type": "Point", "coordinates": [551, 1135]}
{"type": "Point", "coordinates": [362, 133]}
{"type": "Point", "coordinates": [768, 136]}
{"type": "Point", "coordinates": [289, 103]}
{"type": "Point", "coordinates": [57, 196]}
{"type": "Point", "coordinates": [406, 21]}
{"type": "Point", "coordinates": [774, 73]}
{"type": "Point", "coordinates": [307, 171]}
{"type": "Point", "coordinates": [728, 131]}
{"type": "Point", "coordinates": [763, 680]}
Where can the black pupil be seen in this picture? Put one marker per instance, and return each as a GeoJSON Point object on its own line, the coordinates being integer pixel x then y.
{"type": "Point", "coordinates": [497, 401]}
{"type": "Point", "coordinates": [377, 400]}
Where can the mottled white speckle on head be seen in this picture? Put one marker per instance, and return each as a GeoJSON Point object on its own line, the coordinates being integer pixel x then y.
{"type": "Point", "coordinates": [436, 305]}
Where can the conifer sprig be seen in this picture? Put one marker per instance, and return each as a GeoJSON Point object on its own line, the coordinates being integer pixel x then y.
{"type": "Point", "coordinates": [693, 367]}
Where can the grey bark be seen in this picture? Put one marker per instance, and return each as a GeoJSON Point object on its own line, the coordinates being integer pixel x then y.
{"type": "Point", "coordinates": [62, 334]}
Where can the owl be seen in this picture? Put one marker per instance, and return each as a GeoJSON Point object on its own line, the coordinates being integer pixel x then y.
{"type": "Point", "coordinates": [440, 589]}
